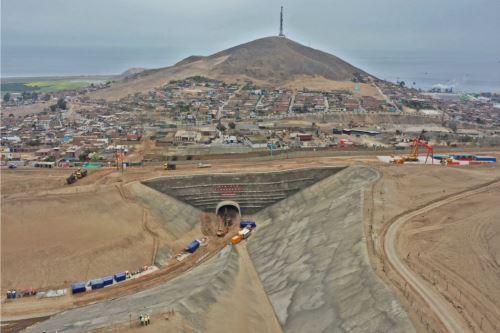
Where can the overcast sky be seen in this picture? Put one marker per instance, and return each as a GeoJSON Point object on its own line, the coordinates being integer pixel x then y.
{"type": "Point", "coordinates": [204, 27]}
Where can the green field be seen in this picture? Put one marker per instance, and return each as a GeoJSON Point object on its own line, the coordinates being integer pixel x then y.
{"type": "Point", "coordinates": [49, 84]}
{"type": "Point", "coordinates": [57, 85]}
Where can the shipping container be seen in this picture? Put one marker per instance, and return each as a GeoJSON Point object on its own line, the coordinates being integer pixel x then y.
{"type": "Point", "coordinates": [193, 246]}
{"type": "Point", "coordinates": [465, 157]}
{"type": "Point", "coordinates": [78, 288]}
{"type": "Point", "coordinates": [120, 277]}
{"type": "Point", "coordinates": [108, 280]}
{"type": "Point", "coordinates": [244, 233]}
{"type": "Point", "coordinates": [96, 283]}
{"type": "Point", "coordinates": [236, 239]}
{"type": "Point", "coordinates": [251, 224]}
{"type": "Point", "coordinates": [486, 158]}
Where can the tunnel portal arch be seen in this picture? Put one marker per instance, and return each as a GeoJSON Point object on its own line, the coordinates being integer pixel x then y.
{"type": "Point", "coordinates": [229, 204]}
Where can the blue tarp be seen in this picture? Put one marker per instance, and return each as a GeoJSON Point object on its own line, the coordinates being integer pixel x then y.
{"type": "Point", "coordinates": [120, 277]}
{"type": "Point", "coordinates": [78, 287]}
{"type": "Point", "coordinates": [96, 283]}
{"type": "Point", "coordinates": [486, 158]}
{"type": "Point", "coordinates": [193, 246]}
{"type": "Point", "coordinates": [107, 280]}
{"type": "Point", "coordinates": [251, 224]}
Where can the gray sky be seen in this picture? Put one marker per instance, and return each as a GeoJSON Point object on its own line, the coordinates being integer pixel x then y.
{"type": "Point", "coordinates": [211, 25]}
{"type": "Point", "coordinates": [203, 27]}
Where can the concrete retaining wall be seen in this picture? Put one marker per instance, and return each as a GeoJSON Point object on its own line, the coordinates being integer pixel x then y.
{"type": "Point", "coordinates": [252, 191]}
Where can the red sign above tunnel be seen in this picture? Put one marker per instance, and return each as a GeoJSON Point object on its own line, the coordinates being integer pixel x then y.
{"type": "Point", "coordinates": [228, 190]}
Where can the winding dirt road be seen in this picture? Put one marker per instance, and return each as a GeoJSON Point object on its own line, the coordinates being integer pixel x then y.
{"type": "Point", "coordinates": [446, 313]}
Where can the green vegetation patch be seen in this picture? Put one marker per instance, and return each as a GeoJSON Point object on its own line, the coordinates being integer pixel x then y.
{"type": "Point", "coordinates": [58, 85]}
{"type": "Point", "coordinates": [49, 84]}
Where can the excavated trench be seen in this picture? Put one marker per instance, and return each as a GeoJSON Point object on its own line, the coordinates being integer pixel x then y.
{"type": "Point", "coordinates": [308, 254]}
{"type": "Point", "coordinates": [252, 191]}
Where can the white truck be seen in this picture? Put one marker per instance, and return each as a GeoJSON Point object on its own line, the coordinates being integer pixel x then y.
{"type": "Point", "coordinates": [204, 165]}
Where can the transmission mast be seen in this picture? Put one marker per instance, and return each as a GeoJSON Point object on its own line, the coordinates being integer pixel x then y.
{"type": "Point", "coordinates": [281, 23]}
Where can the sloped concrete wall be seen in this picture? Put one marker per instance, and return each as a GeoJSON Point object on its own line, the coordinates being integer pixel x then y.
{"type": "Point", "coordinates": [311, 257]}
{"type": "Point", "coordinates": [252, 191]}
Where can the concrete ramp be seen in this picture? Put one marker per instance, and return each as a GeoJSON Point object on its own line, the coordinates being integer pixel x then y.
{"type": "Point", "coordinates": [311, 257]}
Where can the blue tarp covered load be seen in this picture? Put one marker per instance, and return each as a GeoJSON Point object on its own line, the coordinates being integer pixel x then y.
{"type": "Point", "coordinates": [251, 224]}
{"type": "Point", "coordinates": [440, 156]}
{"type": "Point", "coordinates": [486, 158]}
{"type": "Point", "coordinates": [120, 276]}
{"type": "Point", "coordinates": [193, 246]}
{"type": "Point", "coordinates": [78, 287]}
{"type": "Point", "coordinates": [108, 280]}
{"type": "Point", "coordinates": [96, 283]}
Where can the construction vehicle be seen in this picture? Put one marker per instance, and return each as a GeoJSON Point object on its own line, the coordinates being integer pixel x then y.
{"type": "Point", "coordinates": [224, 223]}
{"type": "Point", "coordinates": [71, 179]}
{"type": "Point", "coordinates": [81, 173]}
{"type": "Point", "coordinates": [449, 161]}
{"type": "Point", "coordinates": [169, 166]}
{"type": "Point", "coordinates": [415, 151]}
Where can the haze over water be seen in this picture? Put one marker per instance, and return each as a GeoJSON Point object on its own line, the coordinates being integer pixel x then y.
{"type": "Point", "coordinates": [426, 69]}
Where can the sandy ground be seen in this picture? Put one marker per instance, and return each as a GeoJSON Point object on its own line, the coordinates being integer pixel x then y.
{"type": "Point", "coordinates": [457, 248]}
{"type": "Point", "coordinates": [30, 191]}
{"type": "Point", "coordinates": [403, 188]}
{"type": "Point", "coordinates": [321, 83]}
{"type": "Point", "coordinates": [52, 240]}
{"type": "Point", "coordinates": [55, 234]}
{"type": "Point", "coordinates": [24, 110]}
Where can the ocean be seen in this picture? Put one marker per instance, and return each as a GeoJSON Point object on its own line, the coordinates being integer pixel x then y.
{"type": "Point", "coordinates": [462, 72]}
{"type": "Point", "coordinates": [470, 73]}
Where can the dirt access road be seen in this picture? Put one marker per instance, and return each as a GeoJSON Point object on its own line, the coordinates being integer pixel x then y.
{"type": "Point", "coordinates": [441, 307]}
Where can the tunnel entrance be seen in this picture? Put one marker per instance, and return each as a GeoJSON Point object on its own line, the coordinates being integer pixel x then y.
{"type": "Point", "coordinates": [228, 212]}
{"type": "Point", "coordinates": [228, 206]}
{"type": "Point", "coordinates": [250, 192]}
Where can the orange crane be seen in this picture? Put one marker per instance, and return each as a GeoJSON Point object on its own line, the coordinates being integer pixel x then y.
{"type": "Point", "coordinates": [120, 156]}
{"type": "Point", "coordinates": [415, 151]}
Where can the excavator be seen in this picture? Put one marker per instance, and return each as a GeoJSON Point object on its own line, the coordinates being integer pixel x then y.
{"type": "Point", "coordinates": [78, 174]}
{"type": "Point", "coordinates": [414, 151]}
{"type": "Point", "coordinates": [224, 222]}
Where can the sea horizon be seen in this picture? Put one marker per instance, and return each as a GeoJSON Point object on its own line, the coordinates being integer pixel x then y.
{"type": "Point", "coordinates": [418, 69]}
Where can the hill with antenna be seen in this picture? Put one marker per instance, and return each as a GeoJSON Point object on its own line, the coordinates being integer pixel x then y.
{"type": "Point", "coordinates": [270, 61]}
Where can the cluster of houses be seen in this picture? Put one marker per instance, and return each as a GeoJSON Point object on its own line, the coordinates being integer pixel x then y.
{"type": "Point", "coordinates": [200, 111]}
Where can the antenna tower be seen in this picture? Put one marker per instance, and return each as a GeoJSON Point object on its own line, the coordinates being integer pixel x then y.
{"type": "Point", "coordinates": [281, 23]}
